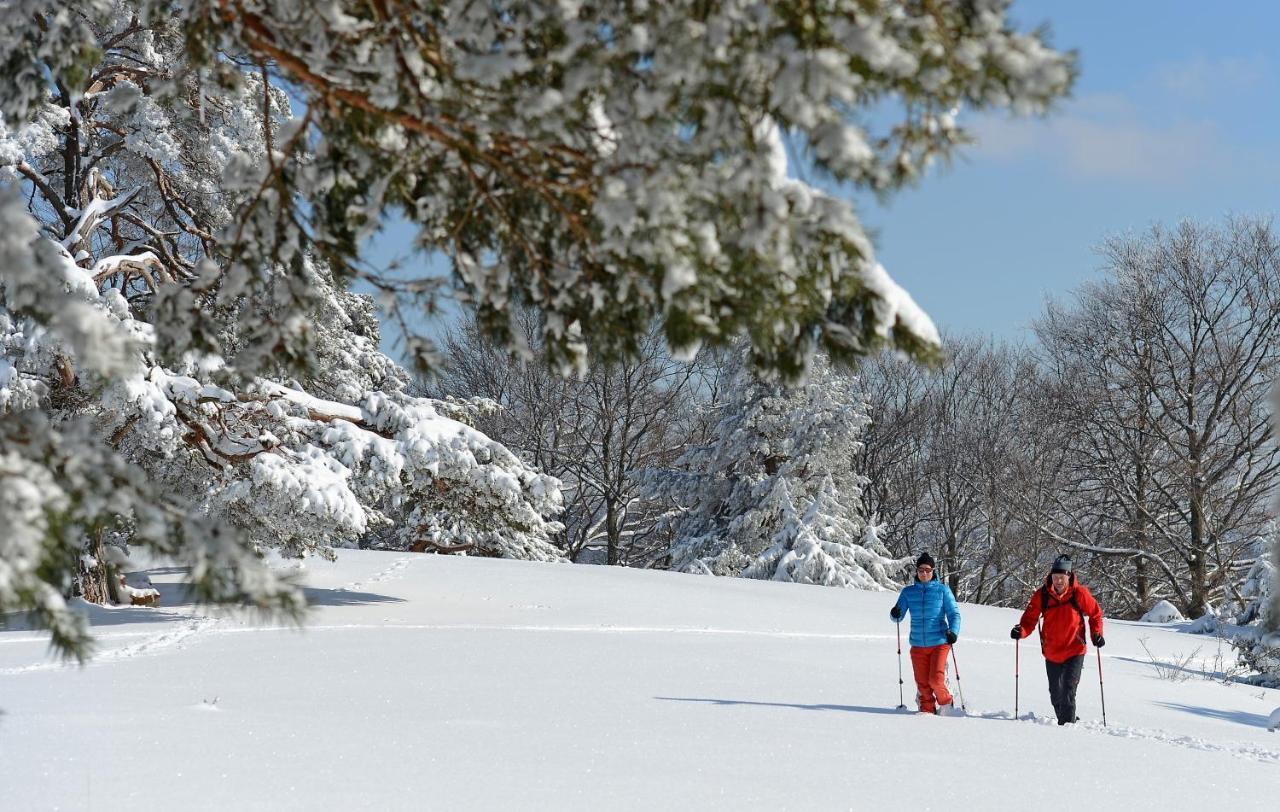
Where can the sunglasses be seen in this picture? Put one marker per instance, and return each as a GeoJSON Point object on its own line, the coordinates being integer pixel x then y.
{"type": "Point", "coordinates": [924, 569]}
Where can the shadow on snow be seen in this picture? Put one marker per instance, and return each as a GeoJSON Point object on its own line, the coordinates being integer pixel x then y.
{"type": "Point", "coordinates": [176, 596]}
{"type": "Point", "coordinates": [1239, 717]}
{"type": "Point", "coordinates": [1169, 665]}
{"type": "Point", "coordinates": [800, 706]}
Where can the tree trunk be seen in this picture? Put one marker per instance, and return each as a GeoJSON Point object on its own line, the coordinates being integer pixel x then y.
{"type": "Point", "coordinates": [93, 581]}
{"type": "Point", "coordinates": [612, 531]}
{"type": "Point", "coordinates": [953, 554]}
{"type": "Point", "coordinates": [1141, 571]}
{"type": "Point", "coordinates": [1198, 562]}
{"type": "Point", "coordinates": [1141, 577]}
{"type": "Point", "coordinates": [1196, 491]}
{"type": "Point", "coordinates": [1141, 582]}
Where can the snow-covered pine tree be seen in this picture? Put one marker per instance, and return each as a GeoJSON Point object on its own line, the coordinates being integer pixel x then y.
{"type": "Point", "coordinates": [1253, 596]}
{"type": "Point", "coordinates": [108, 437]}
{"type": "Point", "coordinates": [1272, 622]}
{"type": "Point", "coordinates": [1258, 644]}
{"type": "Point", "coordinates": [774, 495]}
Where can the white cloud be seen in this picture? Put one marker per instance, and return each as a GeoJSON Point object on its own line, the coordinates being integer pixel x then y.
{"type": "Point", "coordinates": [1165, 129]}
{"type": "Point", "coordinates": [1203, 79]}
{"type": "Point", "coordinates": [1103, 136]}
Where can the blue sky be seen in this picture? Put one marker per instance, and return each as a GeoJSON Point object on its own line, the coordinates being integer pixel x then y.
{"type": "Point", "coordinates": [1175, 114]}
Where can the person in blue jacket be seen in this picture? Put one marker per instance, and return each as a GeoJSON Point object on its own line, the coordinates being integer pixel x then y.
{"type": "Point", "coordinates": [935, 624]}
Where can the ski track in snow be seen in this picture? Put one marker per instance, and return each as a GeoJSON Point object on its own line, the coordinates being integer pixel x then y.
{"type": "Point", "coordinates": [1237, 749]}
{"type": "Point", "coordinates": [390, 573]}
{"type": "Point", "coordinates": [601, 629]}
{"type": "Point", "coordinates": [150, 644]}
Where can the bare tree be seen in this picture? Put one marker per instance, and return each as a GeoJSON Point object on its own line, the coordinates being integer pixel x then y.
{"type": "Point", "coordinates": [597, 433]}
{"type": "Point", "coordinates": [952, 458]}
{"type": "Point", "coordinates": [892, 450]}
{"type": "Point", "coordinates": [1171, 360]}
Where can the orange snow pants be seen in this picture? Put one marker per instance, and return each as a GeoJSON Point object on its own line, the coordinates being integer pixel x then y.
{"type": "Point", "coordinates": [930, 666]}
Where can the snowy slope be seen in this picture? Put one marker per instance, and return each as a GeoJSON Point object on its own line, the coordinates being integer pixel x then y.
{"type": "Point", "coordinates": [437, 682]}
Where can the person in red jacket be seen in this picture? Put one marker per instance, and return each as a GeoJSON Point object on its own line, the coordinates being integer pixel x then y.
{"type": "Point", "coordinates": [1064, 604]}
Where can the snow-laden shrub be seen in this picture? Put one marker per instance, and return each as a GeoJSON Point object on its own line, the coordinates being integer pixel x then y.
{"type": "Point", "coordinates": [1257, 590]}
{"type": "Point", "coordinates": [1258, 645]}
{"type": "Point", "coordinates": [1208, 623]}
{"type": "Point", "coordinates": [1162, 612]}
{"type": "Point", "coordinates": [1259, 652]}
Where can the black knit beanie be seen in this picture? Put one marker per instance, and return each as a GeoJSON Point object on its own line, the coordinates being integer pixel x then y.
{"type": "Point", "coordinates": [1061, 564]}
{"type": "Point", "coordinates": [925, 560]}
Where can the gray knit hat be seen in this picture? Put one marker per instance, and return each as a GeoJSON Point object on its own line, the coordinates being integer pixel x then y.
{"type": "Point", "coordinates": [1061, 564]}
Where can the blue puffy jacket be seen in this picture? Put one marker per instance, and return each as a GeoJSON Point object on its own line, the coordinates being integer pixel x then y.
{"type": "Point", "coordinates": [933, 612]}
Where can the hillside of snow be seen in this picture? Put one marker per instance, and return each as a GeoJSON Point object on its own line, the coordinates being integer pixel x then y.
{"type": "Point", "coordinates": [446, 683]}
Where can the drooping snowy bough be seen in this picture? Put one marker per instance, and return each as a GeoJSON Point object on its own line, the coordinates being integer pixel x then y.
{"type": "Point", "coordinates": [606, 162]}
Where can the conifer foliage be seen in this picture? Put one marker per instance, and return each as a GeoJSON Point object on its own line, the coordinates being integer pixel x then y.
{"type": "Point", "coordinates": [774, 494]}
{"type": "Point", "coordinates": [609, 162]}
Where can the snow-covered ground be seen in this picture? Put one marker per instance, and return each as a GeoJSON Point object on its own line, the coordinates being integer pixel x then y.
{"type": "Point", "coordinates": [427, 682]}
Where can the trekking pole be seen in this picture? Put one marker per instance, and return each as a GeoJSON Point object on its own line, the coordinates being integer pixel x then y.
{"type": "Point", "coordinates": [1017, 668]}
{"type": "Point", "coordinates": [959, 687]}
{"type": "Point", "coordinates": [901, 704]}
{"type": "Point", "coordinates": [1100, 688]}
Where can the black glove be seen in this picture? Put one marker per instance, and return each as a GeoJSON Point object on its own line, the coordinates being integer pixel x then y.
{"type": "Point", "coordinates": [895, 613]}
{"type": "Point", "coordinates": [951, 638]}
{"type": "Point", "coordinates": [1099, 640]}
{"type": "Point", "coordinates": [1016, 633]}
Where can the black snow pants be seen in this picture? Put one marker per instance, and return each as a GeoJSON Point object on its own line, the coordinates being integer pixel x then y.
{"type": "Point", "coordinates": [1064, 678]}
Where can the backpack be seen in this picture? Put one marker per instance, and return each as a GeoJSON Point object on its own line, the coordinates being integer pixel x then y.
{"type": "Point", "coordinates": [1045, 594]}
{"type": "Point", "coordinates": [1044, 608]}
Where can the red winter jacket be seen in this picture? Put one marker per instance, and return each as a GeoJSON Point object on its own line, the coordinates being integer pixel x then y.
{"type": "Point", "coordinates": [1063, 635]}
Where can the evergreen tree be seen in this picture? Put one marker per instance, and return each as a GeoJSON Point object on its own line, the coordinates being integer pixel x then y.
{"type": "Point", "coordinates": [774, 495]}
{"type": "Point", "coordinates": [1258, 644]}
{"type": "Point", "coordinates": [106, 438]}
